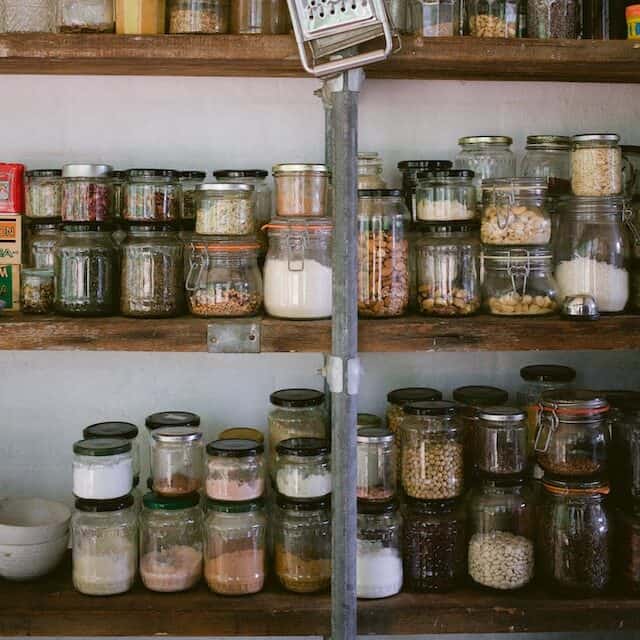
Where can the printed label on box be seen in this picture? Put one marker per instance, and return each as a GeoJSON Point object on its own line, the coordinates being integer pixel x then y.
{"type": "Point", "coordinates": [10, 286]}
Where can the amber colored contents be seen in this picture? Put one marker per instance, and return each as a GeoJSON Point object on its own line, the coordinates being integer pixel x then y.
{"type": "Point", "coordinates": [176, 485]}
{"type": "Point", "coordinates": [302, 575]}
{"type": "Point", "coordinates": [236, 572]}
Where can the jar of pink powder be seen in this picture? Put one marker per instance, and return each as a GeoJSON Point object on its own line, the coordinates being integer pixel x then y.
{"type": "Point", "coordinates": [235, 470]}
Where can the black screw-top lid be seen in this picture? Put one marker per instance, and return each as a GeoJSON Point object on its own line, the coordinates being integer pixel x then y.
{"type": "Point", "coordinates": [118, 175]}
{"type": "Point", "coordinates": [152, 173]}
{"type": "Point", "coordinates": [296, 398]}
{"type": "Point", "coordinates": [125, 430]}
{"type": "Point", "coordinates": [622, 399]}
{"type": "Point", "coordinates": [234, 448]}
{"type": "Point", "coordinates": [431, 408]}
{"type": "Point", "coordinates": [427, 165]}
{"type": "Point", "coordinates": [242, 506]}
{"type": "Point", "coordinates": [446, 173]}
{"type": "Point", "coordinates": [413, 394]}
{"type": "Point", "coordinates": [379, 193]}
{"type": "Point", "coordinates": [101, 447]}
{"type": "Point", "coordinates": [172, 419]}
{"type": "Point", "coordinates": [303, 447]}
{"type": "Point", "coordinates": [153, 500]}
{"type": "Point", "coordinates": [44, 173]}
{"type": "Point", "coordinates": [103, 506]}
{"type": "Point", "coordinates": [309, 504]}
{"type": "Point", "coordinates": [374, 507]}
{"type": "Point", "coordinates": [480, 396]}
{"type": "Point", "coordinates": [240, 173]}
{"type": "Point", "coordinates": [192, 175]}
{"type": "Point", "coordinates": [548, 373]}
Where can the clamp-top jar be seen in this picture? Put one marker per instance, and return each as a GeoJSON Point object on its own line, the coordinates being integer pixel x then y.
{"type": "Point", "coordinates": [87, 192]}
{"type": "Point", "coordinates": [596, 164]}
{"type": "Point", "coordinates": [301, 189]}
{"type": "Point", "coordinates": [445, 196]}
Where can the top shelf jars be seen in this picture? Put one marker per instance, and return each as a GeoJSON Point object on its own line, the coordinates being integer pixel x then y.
{"type": "Point", "coordinates": [151, 195]}
{"type": "Point", "coordinates": [494, 18]}
{"type": "Point", "coordinates": [87, 193]}
{"type": "Point", "coordinates": [445, 196]}
{"type": "Point", "coordinates": [87, 16]}
{"type": "Point", "coordinates": [549, 157]}
{"type": "Point", "coordinates": [301, 189]}
{"type": "Point", "coordinates": [596, 165]}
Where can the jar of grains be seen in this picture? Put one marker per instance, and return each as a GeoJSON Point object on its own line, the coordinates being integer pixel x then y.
{"type": "Point", "coordinates": [433, 18]}
{"type": "Point", "coordinates": [43, 193]}
{"type": "Point", "coordinates": [501, 441]}
{"type": "Point", "coordinates": [628, 548]}
{"type": "Point", "coordinates": [445, 196]}
{"type": "Point", "coordinates": [370, 171]}
{"type": "Point", "coordinates": [235, 547]}
{"type": "Point", "coordinates": [434, 544]}
{"type": "Point", "coordinates": [548, 157]}
{"type": "Point", "coordinates": [104, 536]}
{"type": "Point", "coordinates": [554, 19]}
{"type": "Point", "coordinates": [596, 164]}
{"type": "Point", "coordinates": [235, 470]}
{"type": "Point", "coordinates": [35, 16]}
{"type": "Point", "coordinates": [377, 464]}
{"type": "Point", "coordinates": [102, 468]}
{"type": "Point", "coordinates": [431, 450]}
{"type": "Point", "coordinates": [303, 468]}
{"type": "Point", "coordinates": [40, 243]}
{"type": "Point", "coordinates": [87, 192]}
{"type": "Point", "coordinates": [494, 18]}
{"type": "Point", "coordinates": [171, 542]}
{"type": "Point", "coordinates": [260, 17]}
{"type": "Point", "coordinates": [398, 398]}
{"type": "Point", "coordinates": [36, 290]}
{"type": "Point", "coordinates": [501, 521]}
{"type": "Point", "coordinates": [573, 433]}
{"type": "Point", "coordinates": [301, 189]}
{"type": "Point", "coordinates": [122, 430]}
{"type": "Point", "coordinates": [575, 537]}
{"type": "Point", "coordinates": [226, 209]}
{"type": "Point", "coordinates": [410, 170]}
{"type": "Point", "coordinates": [198, 16]}
{"type": "Point", "coordinates": [302, 536]}
{"type": "Point", "coordinates": [88, 16]}
{"type": "Point", "coordinates": [151, 195]}
{"type": "Point", "coordinates": [379, 556]}
{"type": "Point", "coordinates": [189, 181]}
{"type": "Point", "coordinates": [383, 278]}
{"type": "Point", "coordinates": [177, 460]}
{"type": "Point", "coordinates": [152, 281]}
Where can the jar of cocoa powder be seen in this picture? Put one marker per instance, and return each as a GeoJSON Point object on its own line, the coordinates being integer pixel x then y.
{"type": "Point", "coordinates": [177, 460]}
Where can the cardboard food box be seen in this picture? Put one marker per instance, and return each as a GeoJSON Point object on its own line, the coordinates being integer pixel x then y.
{"type": "Point", "coordinates": [10, 238]}
{"type": "Point", "coordinates": [10, 286]}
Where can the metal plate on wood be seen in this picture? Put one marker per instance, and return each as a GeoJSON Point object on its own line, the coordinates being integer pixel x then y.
{"type": "Point", "coordinates": [234, 337]}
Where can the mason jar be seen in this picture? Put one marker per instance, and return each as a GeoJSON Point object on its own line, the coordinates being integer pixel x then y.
{"type": "Point", "coordinates": [410, 170]}
{"type": "Point", "coordinates": [370, 171]}
{"type": "Point", "coordinates": [102, 468]}
{"type": "Point", "coordinates": [548, 157]}
{"type": "Point", "coordinates": [446, 196]}
{"type": "Point", "coordinates": [301, 190]}
{"type": "Point", "coordinates": [41, 239]}
{"type": "Point", "coordinates": [170, 542]}
{"type": "Point", "coordinates": [596, 164]}
{"type": "Point", "coordinates": [43, 193]}
{"type": "Point", "coordinates": [88, 16]}
{"type": "Point", "coordinates": [189, 181]}
{"type": "Point", "coordinates": [198, 16]}
{"type": "Point", "coordinates": [377, 464]}
{"type": "Point", "coordinates": [225, 209]}
{"type": "Point", "coordinates": [235, 470]}
{"type": "Point", "coordinates": [501, 441]}
{"type": "Point", "coordinates": [151, 195]}
{"type": "Point", "coordinates": [398, 398]}
{"type": "Point", "coordinates": [36, 290]}
{"type": "Point", "coordinates": [123, 431]}
{"type": "Point", "coordinates": [177, 460]}
{"type": "Point", "coordinates": [494, 18]}
{"type": "Point", "coordinates": [303, 468]}
{"type": "Point", "coordinates": [260, 17]}
{"type": "Point", "coordinates": [435, 18]}
{"type": "Point", "coordinates": [87, 192]}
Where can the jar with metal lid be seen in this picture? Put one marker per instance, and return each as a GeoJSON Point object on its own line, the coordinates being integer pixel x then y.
{"type": "Point", "coordinates": [86, 272]}
{"type": "Point", "coordinates": [596, 164]}
{"type": "Point", "coordinates": [189, 181]}
{"type": "Point", "coordinates": [370, 171]}
{"type": "Point", "coordinates": [573, 433]}
{"type": "Point", "coordinates": [152, 280]}
{"type": "Point", "coordinates": [431, 450]}
{"type": "Point", "coordinates": [303, 468]}
{"type": "Point", "coordinates": [242, 433]}
{"type": "Point", "coordinates": [493, 18]}
{"type": "Point", "coordinates": [548, 157]}
{"type": "Point", "coordinates": [398, 398]}
{"type": "Point", "coordinates": [575, 536]}
{"type": "Point", "coordinates": [379, 555]}
{"type": "Point", "coordinates": [170, 542]}
{"type": "Point", "coordinates": [151, 195]}
{"type": "Point", "coordinates": [35, 16]}
{"type": "Point", "coordinates": [198, 16]}
{"type": "Point", "coordinates": [377, 464]}
{"type": "Point", "coordinates": [445, 196]}
{"type": "Point", "coordinates": [226, 209]}
{"type": "Point", "coordinates": [121, 430]}
{"type": "Point", "coordinates": [628, 548]}
{"type": "Point", "coordinates": [172, 419]}
{"type": "Point", "coordinates": [301, 189]}
{"type": "Point", "coordinates": [36, 290]}
{"type": "Point", "coordinates": [105, 546]}
{"type": "Point", "coordinates": [383, 253]}
{"type": "Point", "coordinates": [448, 268]}
{"type": "Point", "coordinates": [88, 16]}
{"type": "Point", "coordinates": [235, 536]}
{"type": "Point", "coordinates": [177, 460]}
{"type": "Point", "coordinates": [434, 544]}
{"type": "Point", "coordinates": [235, 470]}
{"type": "Point", "coordinates": [87, 193]}
{"type": "Point", "coordinates": [297, 271]}
{"type": "Point", "coordinates": [43, 193]}
{"type": "Point", "coordinates": [260, 17]}
{"type": "Point", "coordinates": [41, 239]}
{"type": "Point", "coordinates": [519, 282]}
{"type": "Point", "coordinates": [434, 18]}
{"type": "Point", "coordinates": [410, 170]}
{"type": "Point", "coordinates": [501, 441]}
{"type": "Point", "coordinates": [554, 19]}
{"type": "Point", "coordinates": [302, 536]}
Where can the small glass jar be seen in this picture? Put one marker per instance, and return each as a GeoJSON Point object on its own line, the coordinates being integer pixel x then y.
{"type": "Point", "coordinates": [501, 441]}
{"type": "Point", "coordinates": [41, 239]}
{"type": "Point", "coordinates": [519, 282]}
{"type": "Point", "coordinates": [575, 538]}
{"type": "Point", "coordinates": [189, 181]}
{"type": "Point", "coordinates": [140, 17]}
{"type": "Point", "coordinates": [573, 433]}
{"type": "Point", "coordinates": [448, 269]}
{"type": "Point", "coordinates": [501, 520]}
{"type": "Point", "coordinates": [177, 460]}
{"type": "Point", "coordinates": [628, 548]}
{"type": "Point", "coordinates": [260, 17]}
{"type": "Point", "coordinates": [87, 192]}
{"type": "Point", "coordinates": [431, 451]}
{"type": "Point", "coordinates": [434, 18]}
{"type": "Point", "coordinates": [383, 254]}
{"type": "Point", "coordinates": [596, 164]}
{"type": "Point", "coordinates": [86, 272]}
{"type": "Point", "coordinates": [151, 195]}
{"type": "Point", "coordinates": [379, 556]}
{"type": "Point", "coordinates": [548, 156]}
{"type": "Point", "coordinates": [35, 16]}
{"type": "Point", "coordinates": [235, 470]}
{"type": "Point", "coordinates": [122, 431]}
{"type": "Point", "coordinates": [86, 16]}
{"type": "Point", "coordinates": [235, 547]}
{"type": "Point", "coordinates": [152, 280]}
{"type": "Point", "coordinates": [36, 290]}
{"type": "Point", "coordinates": [554, 19]}
{"type": "Point", "coordinates": [43, 193]}
{"type": "Point", "coordinates": [223, 279]}
{"type": "Point", "coordinates": [493, 18]}
{"type": "Point", "coordinates": [301, 189]}
{"type": "Point", "coordinates": [303, 468]}
{"type": "Point", "coordinates": [434, 544]}
{"type": "Point", "coordinates": [398, 398]}
{"type": "Point", "coordinates": [102, 468]}
{"type": "Point", "coordinates": [198, 16]}
{"type": "Point", "coordinates": [242, 433]}
{"type": "Point", "coordinates": [370, 171]}
{"type": "Point", "coordinates": [226, 209]}
{"type": "Point", "coordinates": [170, 542]}
{"type": "Point", "coordinates": [377, 464]}
{"type": "Point", "coordinates": [104, 536]}
{"type": "Point", "coordinates": [410, 170]}
{"type": "Point", "coordinates": [446, 196]}
{"type": "Point", "coordinates": [167, 419]}
{"type": "Point", "coordinates": [302, 536]}
{"type": "Point", "coordinates": [119, 182]}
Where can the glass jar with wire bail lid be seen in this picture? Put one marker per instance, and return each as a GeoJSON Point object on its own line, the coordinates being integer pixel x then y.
{"type": "Point", "coordinates": [151, 195]}
{"type": "Point", "coordinates": [383, 278]}
{"type": "Point", "coordinates": [43, 193]}
{"type": "Point", "coordinates": [448, 269]}
{"type": "Point", "coordinates": [87, 193]}
{"type": "Point", "coordinates": [519, 282]}
{"type": "Point", "coordinates": [119, 180]}
{"type": "Point", "coordinates": [410, 170]}
{"type": "Point", "coordinates": [41, 239]}
{"type": "Point", "coordinates": [573, 433]}
{"type": "Point", "coordinates": [177, 460]}
{"type": "Point", "coordinates": [501, 441]}
{"type": "Point", "coordinates": [303, 468]}
{"type": "Point", "coordinates": [301, 189]}
{"type": "Point", "coordinates": [225, 209]}
{"type": "Point", "coordinates": [446, 196]}
{"type": "Point", "coordinates": [224, 279]}
{"type": "Point", "coordinates": [494, 18]}
{"type": "Point", "coordinates": [235, 470]}
{"type": "Point", "coordinates": [398, 398]}
{"type": "Point", "coordinates": [596, 164]}
{"type": "Point", "coordinates": [189, 181]}
{"type": "Point", "coordinates": [370, 171]}
{"type": "Point", "coordinates": [377, 464]}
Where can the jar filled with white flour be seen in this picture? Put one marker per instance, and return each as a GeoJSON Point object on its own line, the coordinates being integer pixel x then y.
{"type": "Point", "coordinates": [102, 468]}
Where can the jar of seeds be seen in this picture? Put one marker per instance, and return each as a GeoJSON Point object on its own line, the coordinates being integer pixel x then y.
{"type": "Point", "coordinates": [37, 290]}
{"type": "Point", "coordinates": [225, 209]}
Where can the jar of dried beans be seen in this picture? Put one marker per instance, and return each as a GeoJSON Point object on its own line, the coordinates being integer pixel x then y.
{"type": "Point", "coordinates": [189, 182]}
{"type": "Point", "coordinates": [177, 460]}
{"type": "Point", "coordinates": [235, 470]}
{"type": "Point", "coordinates": [377, 464]}
{"type": "Point", "coordinates": [122, 430]}
{"type": "Point", "coordinates": [198, 16]}
{"type": "Point", "coordinates": [260, 17]}
{"type": "Point", "coordinates": [303, 468]}
{"type": "Point", "coordinates": [501, 441]}
{"type": "Point", "coordinates": [494, 18]}
{"type": "Point", "coordinates": [398, 398]}
{"type": "Point", "coordinates": [87, 193]}
{"type": "Point", "coordinates": [445, 196]}
{"type": "Point", "coordinates": [40, 243]}
{"type": "Point", "coordinates": [43, 193]}
{"type": "Point", "coordinates": [301, 189]}
{"type": "Point", "coordinates": [596, 164]}
{"type": "Point", "coordinates": [87, 16]}
{"type": "Point", "coordinates": [36, 290]}
{"type": "Point", "coordinates": [226, 209]}
{"type": "Point", "coordinates": [410, 170]}
{"type": "Point", "coordinates": [151, 195]}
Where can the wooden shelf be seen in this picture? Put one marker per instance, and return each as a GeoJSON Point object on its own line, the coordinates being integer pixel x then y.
{"type": "Point", "coordinates": [277, 56]}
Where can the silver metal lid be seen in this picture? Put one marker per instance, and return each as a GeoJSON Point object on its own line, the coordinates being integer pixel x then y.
{"type": "Point", "coordinates": [518, 255]}
{"type": "Point", "coordinates": [549, 142]}
{"type": "Point", "coordinates": [374, 435]}
{"type": "Point", "coordinates": [574, 399]}
{"type": "Point", "coordinates": [485, 140]}
{"type": "Point", "coordinates": [368, 155]}
{"type": "Point", "coordinates": [596, 137]}
{"type": "Point", "coordinates": [580, 307]}
{"type": "Point", "coordinates": [86, 170]}
{"type": "Point", "coordinates": [176, 434]}
{"type": "Point", "coordinates": [502, 414]}
{"type": "Point", "coordinates": [300, 167]}
{"type": "Point", "coordinates": [225, 186]}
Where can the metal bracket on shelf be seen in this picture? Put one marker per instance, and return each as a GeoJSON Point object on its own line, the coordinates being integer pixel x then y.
{"type": "Point", "coordinates": [334, 373]}
{"type": "Point", "coordinates": [235, 336]}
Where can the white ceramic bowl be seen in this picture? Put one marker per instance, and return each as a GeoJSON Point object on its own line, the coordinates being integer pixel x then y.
{"type": "Point", "coordinates": [26, 521]}
{"type": "Point", "coordinates": [25, 562]}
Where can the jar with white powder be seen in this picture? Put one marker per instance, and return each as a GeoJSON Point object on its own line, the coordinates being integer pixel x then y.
{"type": "Point", "coordinates": [102, 468]}
{"type": "Point", "coordinates": [447, 195]}
{"type": "Point", "coordinates": [124, 430]}
{"type": "Point", "coordinates": [303, 468]}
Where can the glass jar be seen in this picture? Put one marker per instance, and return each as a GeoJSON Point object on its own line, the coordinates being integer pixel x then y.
{"type": "Point", "coordinates": [235, 470]}
{"type": "Point", "coordinates": [410, 170]}
{"type": "Point", "coordinates": [433, 18]}
{"type": "Point", "coordinates": [630, 171]}
{"type": "Point", "coordinates": [573, 433]}
{"type": "Point", "coordinates": [177, 460]}
{"type": "Point", "coordinates": [519, 282]}
{"type": "Point", "coordinates": [102, 468]}
{"type": "Point", "coordinates": [377, 464]}
{"type": "Point", "coordinates": [151, 195]}
{"type": "Point", "coordinates": [303, 468]}
{"type": "Point", "coordinates": [122, 431]}
{"type": "Point", "coordinates": [501, 522]}
{"type": "Point", "coordinates": [493, 18]}
{"type": "Point", "coordinates": [383, 253]}
{"type": "Point", "coordinates": [152, 280]}
{"type": "Point", "coordinates": [592, 251]}
{"type": "Point", "coordinates": [86, 16]}
{"type": "Point", "coordinates": [575, 543]}
{"type": "Point", "coordinates": [628, 548]}
{"type": "Point", "coordinates": [301, 189]}
{"type": "Point", "coordinates": [400, 15]}
{"type": "Point", "coordinates": [596, 164]}
{"type": "Point", "coordinates": [431, 451]}
{"type": "Point", "coordinates": [226, 209]}
{"type": "Point", "coordinates": [104, 536]}
{"type": "Point", "coordinates": [434, 544]}
{"type": "Point", "coordinates": [370, 171]}
{"type": "Point", "coordinates": [554, 19]}
{"type": "Point", "coordinates": [398, 398]}
{"type": "Point", "coordinates": [261, 17]}
{"type": "Point", "coordinates": [43, 192]}
{"type": "Point", "coordinates": [140, 17]}
{"type": "Point", "coordinates": [87, 192]}
{"type": "Point", "coordinates": [445, 196]}
{"type": "Point", "coordinates": [501, 441]}
{"type": "Point", "coordinates": [119, 182]}
{"type": "Point", "coordinates": [549, 156]}
{"type": "Point", "coordinates": [297, 270]}
{"type": "Point", "coordinates": [167, 419]}
{"type": "Point", "coordinates": [86, 272]}
{"type": "Point", "coordinates": [36, 290]}
{"type": "Point", "coordinates": [32, 16]}
{"type": "Point", "coordinates": [170, 542]}
{"type": "Point", "coordinates": [198, 16]}
{"type": "Point", "coordinates": [302, 535]}
{"type": "Point", "coordinates": [379, 555]}
{"type": "Point", "coordinates": [41, 239]}
{"type": "Point", "coordinates": [448, 266]}
{"type": "Point", "coordinates": [235, 547]}
{"type": "Point", "coordinates": [189, 181]}
{"type": "Point", "coordinates": [242, 433]}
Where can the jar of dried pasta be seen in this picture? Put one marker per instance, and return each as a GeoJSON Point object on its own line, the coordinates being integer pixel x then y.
{"type": "Point", "coordinates": [596, 164]}
{"type": "Point", "coordinates": [225, 209]}
{"type": "Point", "coordinates": [301, 189]}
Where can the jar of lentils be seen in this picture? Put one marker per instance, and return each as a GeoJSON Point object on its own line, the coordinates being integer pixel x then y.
{"type": "Point", "coordinates": [226, 209]}
{"type": "Point", "coordinates": [36, 290]}
{"type": "Point", "coordinates": [177, 460]}
{"type": "Point", "coordinates": [87, 193]}
{"type": "Point", "coordinates": [377, 459]}
{"type": "Point", "coordinates": [151, 195]}
{"type": "Point", "coordinates": [235, 470]}
{"type": "Point", "coordinates": [398, 398]}
{"type": "Point", "coordinates": [596, 164]}
{"type": "Point", "coordinates": [501, 441]}
{"type": "Point", "coordinates": [43, 193]}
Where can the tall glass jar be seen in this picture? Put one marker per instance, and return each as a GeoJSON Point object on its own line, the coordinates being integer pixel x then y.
{"type": "Point", "coordinates": [433, 18]}
{"type": "Point", "coordinates": [43, 192]}
{"type": "Point", "coordinates": [383, 278]}
{"type": "Point", "coordinates": [628, 548]}
{"type": "Point", "coordinates": [177, 460]}
{"type": "Point", "coordinates": [370, 171]}
{"type": "Point", "coordinates": [303, 468]}
{"type": "Point", "coordinates": [189, 181]}
{"type": "Point", "coordinates": [494, 18]}
{"type": "Point", "coordinates": [548, 156]}
{"type": "Point", "coordinates": [410, 170]}
{"type": "Point", "coordinates": [86, 272]}
{"type": "Point", "coordinates": [151, 195]}
{"type": "Point", "coordinates": [297, 270]}
{"type": "Point", "coordinates": [377, 464]}
{"type": "Point", "coordinates": [554, 19]}
{"type": "Point", "coordinates": [35, 16]}
{"type": "Point", "coordinates": [301, 190]}
{"type": "Point", "coordinates": [123, 430]}
{"type": "Point", "coordinates": [379, 555]}
{"type": "Point", "coordinates": [152, 280]}
{"type": "Point", "coordinates": [260, 17]}
{"type": "Point", "coordinates": [596, 164]}
{"type": "Point", "coordinates": [87, 192]}
{"type": "Point", "coordinates": [226, 209]}
{"type": "Point", "coordinates": [501, 441]}
{"type": "Point", "coordinates": [575, 538]}
{"type": "Point", "coordinates": [198, 16]}
{"type": "Point", "coordinates": [446, 196]}
{"type": "Point", "coordinates": [398, 398]}
{"type": "Point", "coordinates": [41, 240]}
{"type": "Point", "coordinates": [86, 16]}
{"type": "Point", "coordinates": [171, 542]}
{"type": "Point", "coordinates": [105, 546]}
{"type": "Point", "coordinates": [235, 470]}
{"type": "Point", "coordinates": [501, 521]}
